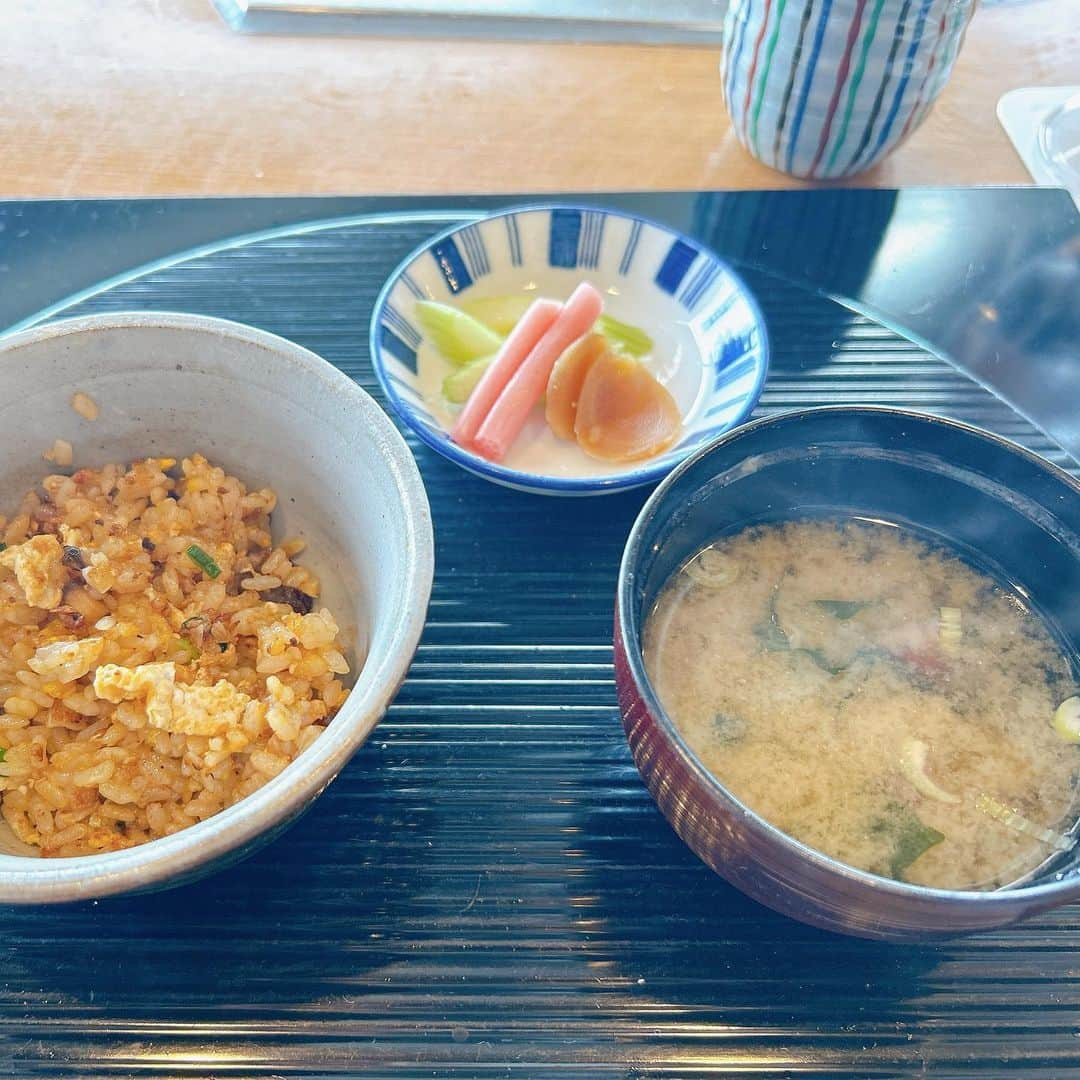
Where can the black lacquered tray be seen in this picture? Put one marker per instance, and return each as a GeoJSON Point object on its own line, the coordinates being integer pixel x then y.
{"type": "Point", "coordinates": [488, 890]}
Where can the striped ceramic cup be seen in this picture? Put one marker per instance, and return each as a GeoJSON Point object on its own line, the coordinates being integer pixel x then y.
{"type": "Point", "coordinates": [826, 88]}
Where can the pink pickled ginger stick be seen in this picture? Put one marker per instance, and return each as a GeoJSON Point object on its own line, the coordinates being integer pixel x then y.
{"type": "Point", "coordinates": [507, 416]}
{"type": "Point", "coordinates": [530, 328]}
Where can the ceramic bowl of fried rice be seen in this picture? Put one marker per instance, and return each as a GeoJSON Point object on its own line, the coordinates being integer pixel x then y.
{"type": "Point", "coordinates": [215, 564]}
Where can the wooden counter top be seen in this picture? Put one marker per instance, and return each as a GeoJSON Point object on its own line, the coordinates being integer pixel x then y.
{"type": "Point", "coordinates": [158, 97]}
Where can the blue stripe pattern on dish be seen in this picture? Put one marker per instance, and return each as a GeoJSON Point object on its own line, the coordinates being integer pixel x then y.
{"type": "Point", "coordinates": [719, 311]}
{"type": "Point", "coordinates": [630, 250]}
{"type": "Point", "coordinates": [513, 239]}
{"type": "Point", "coordinates": [673, 269]}
{"type": "Point", "coordinates": [450, 263]}
{"type": "Point", "coordinates": [402, 327]}
{"type": "Point", "coordinates": [472, 242]}
{"type": "Point", "coordinates": [734, 359]}
{"type": "Point", "coordinates": [411, 285]}
{"type": "Point", "coordinates": [397, 348]}
{"type": "Point", "coordinates": [592, 236]}
{"type": "Point", "coordinates": [563, 238]}
{"type": "Point", "coordinates": [698, 284]}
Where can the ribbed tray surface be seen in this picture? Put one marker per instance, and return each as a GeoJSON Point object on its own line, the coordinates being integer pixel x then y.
{"type": "Point", "coordinates": [488, 890]}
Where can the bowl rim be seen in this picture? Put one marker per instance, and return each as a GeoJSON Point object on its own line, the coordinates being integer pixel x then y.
{"type": "Point", "coordinates": [32, 879]}
{"type": "Point", "coordinates": [629, 629]}
{"type": "Point", "coordinates": [539, 482]}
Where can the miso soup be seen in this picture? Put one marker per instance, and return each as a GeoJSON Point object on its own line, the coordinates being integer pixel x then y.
{"type": "Point", "coordinates": [874, 697]}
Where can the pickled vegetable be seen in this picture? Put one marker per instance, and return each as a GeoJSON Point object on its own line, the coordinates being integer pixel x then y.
{"type": "Point", "coordinates": [460, 383]}
{"type": "Point", "coordinates": [567, 379]}
{"type": "Point", "coordinates": [457, 335]}
{"type": "Point", "coordinates": [511, 409]}
{"type": "Point", "coordinates": [623, 413]}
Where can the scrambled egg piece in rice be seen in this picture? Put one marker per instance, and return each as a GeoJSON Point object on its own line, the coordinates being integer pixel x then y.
{"type": "Point", "coordinates": [160, 658]}
{"type": "Point", "coordinates": [185, 710]}
{"type": "Point", "coordinates": [39, 570]}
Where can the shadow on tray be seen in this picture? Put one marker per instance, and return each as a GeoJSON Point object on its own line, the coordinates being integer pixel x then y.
{"type": "Point", "coordinates": [299, 916]}
{"type": "Point", "coordinates": [682, 942]}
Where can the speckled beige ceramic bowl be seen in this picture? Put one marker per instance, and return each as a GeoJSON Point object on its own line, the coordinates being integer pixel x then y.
{"type": "Point", "coordinates": [275, 415]}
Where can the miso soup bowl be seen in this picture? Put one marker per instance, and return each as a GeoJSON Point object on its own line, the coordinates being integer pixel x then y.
{"type": "Point", "coordinates": [1000, 506]}
{"type": "Point", "coordinates": [273, 414]}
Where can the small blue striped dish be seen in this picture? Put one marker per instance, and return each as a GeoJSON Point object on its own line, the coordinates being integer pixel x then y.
{"type": "Point", "coordinates": [711, 349]}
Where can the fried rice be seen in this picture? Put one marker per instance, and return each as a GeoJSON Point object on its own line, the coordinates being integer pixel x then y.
{"type": "Point", "coordinates": [160, 658]}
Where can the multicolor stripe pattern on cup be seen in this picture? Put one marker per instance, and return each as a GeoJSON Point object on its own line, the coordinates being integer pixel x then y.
{"type": "Point", "coordinates": [827, 88]}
